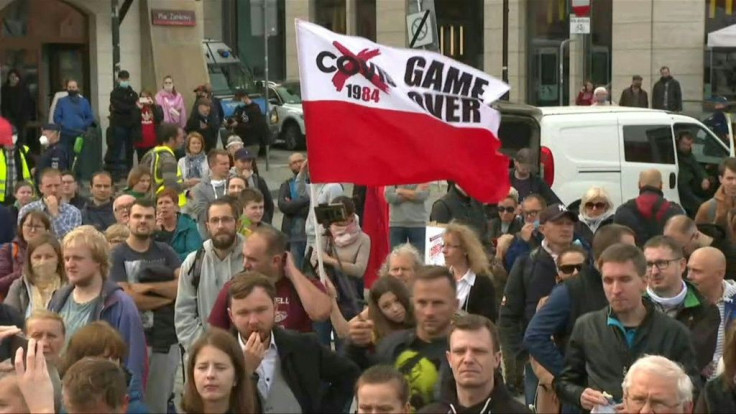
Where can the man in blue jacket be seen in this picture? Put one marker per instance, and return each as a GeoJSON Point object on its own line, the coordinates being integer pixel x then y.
{"type": "Point", "coordinates": [90, 296]}
{"type": "Point", "coordinates": [550, 327]}
{"type": "Point", "coordinates": [74, 114]}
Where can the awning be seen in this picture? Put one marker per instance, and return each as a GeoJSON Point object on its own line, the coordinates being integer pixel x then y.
{"type": "Point", "coordinates": [725, 37]}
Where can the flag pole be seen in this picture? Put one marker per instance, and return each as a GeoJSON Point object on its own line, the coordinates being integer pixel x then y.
{"type": "Point", "coordinates": [318, 236]}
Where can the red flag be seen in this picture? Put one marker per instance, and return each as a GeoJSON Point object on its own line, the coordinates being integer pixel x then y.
{"type": "Point", "coordinates": [380, 116]}
{"type": "Point", "coordinates": [375, 225]}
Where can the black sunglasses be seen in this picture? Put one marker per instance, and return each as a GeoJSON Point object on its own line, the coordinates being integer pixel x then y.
{"type": "Point", "coordinates": [599, 205]}
{"type": "Point", "coordinates": [571, 268]}
{"type": "Point", "coordinates": [506, 209]}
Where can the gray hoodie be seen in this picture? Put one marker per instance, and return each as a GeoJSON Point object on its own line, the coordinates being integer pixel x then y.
{"type": "Point", "coordinates": [192, 309]}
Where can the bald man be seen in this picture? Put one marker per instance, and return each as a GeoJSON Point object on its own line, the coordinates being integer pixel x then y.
{"type": "Point", "coordinates": [706, 269]}
{"type": "Point", "coordinates": [647, 214]}
{"type": "Point", "coordinates": [683, 229]}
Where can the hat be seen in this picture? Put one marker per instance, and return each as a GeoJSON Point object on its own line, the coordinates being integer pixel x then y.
{"type": "Point", "coordinates": [243, 155]}
{"type": "Point", "coordinates": [51, 127]}
{"type": "Point", "coordinates": [199, 88]}
{"type": "Point", "coordinates": [555, 212]}
{"type": "Point", "coordinates": [6, 132]}
{"type": "Point", "coordinates": [233, 140]}
{"type": "Point", "coordinates": [524, 156]}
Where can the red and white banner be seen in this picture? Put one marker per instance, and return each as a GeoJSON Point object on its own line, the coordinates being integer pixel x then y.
{"type": "Point", "coordinates": [377, 115]}
{"type": "Point", "coordinates": [581, 8]}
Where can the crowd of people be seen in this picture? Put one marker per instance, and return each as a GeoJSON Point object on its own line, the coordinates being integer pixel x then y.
{"type": "Point", "coordinates": [180, 271]}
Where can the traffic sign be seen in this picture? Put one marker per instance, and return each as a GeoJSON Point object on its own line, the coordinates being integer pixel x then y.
{"type": "Point", "coordinates": [579, 25]}
{"type": "Point", "coordinates": [420, 29]}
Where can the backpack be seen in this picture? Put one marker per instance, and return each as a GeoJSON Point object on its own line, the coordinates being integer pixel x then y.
{"type": "Point", "coordinates": [195, 271]}
{"type": "Point", "coordinates": [659, 216]}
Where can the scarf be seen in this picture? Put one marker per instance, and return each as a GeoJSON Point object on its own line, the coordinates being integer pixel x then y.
{"type": "Point", "coordinates": [668, 304]}
{"type": "Point", "coordinates": [594, 222]}
{"type": "Point", "coordinates": [345, 235]}
{"type": "Point", "coordinates": [194, 164]}
{"type": "Point", "coordinates": [46, 282]}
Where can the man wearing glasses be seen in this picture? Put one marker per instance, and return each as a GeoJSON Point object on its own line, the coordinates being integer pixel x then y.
{"type": "Point", "coordinates": [679, 299]}
{"type": "Point", "coordinates": [121, 208]}
{"type": "Point", "coordinates": [654, 384]}
{"type": "Point", "coordinates": [205, 271]}
{"type": "Point", "coordinates": [604, 344]}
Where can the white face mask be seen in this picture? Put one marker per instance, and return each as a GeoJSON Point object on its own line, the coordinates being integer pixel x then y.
{"type": "Point", "coordinates": [168, 88]}
{"type": "Point", "coordinates": [15, 139]}
{"type": "Point", "coordinates": [43, 140]}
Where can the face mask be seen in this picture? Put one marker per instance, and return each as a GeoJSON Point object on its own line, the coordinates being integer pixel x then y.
{"type": "Point", "coordinates": [536, 224]}
{"type": "Point", "coordinates": [73, 93]}
{"type": "Point", "coordinates": [44, 269]}
{"type": "Point", "coordinates": [43, 140]}
{"type": "Point", "coordinates": [169, 88]}
{"type": "Point", "coordinates": [124, 84]}
{"type": "Point", "coordinates": [15, 138]}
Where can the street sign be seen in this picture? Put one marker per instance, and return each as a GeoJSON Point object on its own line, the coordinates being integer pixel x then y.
{"type": "Point", "coordinates": [420, 29]}
{"type": "Point", "coordinates": [256, 18]}
{"type": "Point", "coordinates": [579, 25]}
{"type": "Point", "coordinates": [581, 8]}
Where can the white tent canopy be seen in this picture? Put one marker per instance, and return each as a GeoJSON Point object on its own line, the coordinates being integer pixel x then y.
{"type": "Point", "coordinates": [725, 37]}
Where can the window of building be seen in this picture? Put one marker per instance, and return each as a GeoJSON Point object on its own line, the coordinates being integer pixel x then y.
{"type": "Point", "coordinates": [365, 19]}
{"type": "Point", "coordinates": [719, 77]}
{"type": "Point", "coordinates": [331, 14]}
{"type": "Point", "coordinates": [250, 48]}
{"type": "Point", "coordinates": [459, 29]}
{"type": "Point", "coordinates": [651, 144]}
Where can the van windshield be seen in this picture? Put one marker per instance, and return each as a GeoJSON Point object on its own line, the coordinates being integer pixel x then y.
{"type": "Point", "coordinates": [226, 78]}
{"type": "Point", "coordinates": [289, 95]}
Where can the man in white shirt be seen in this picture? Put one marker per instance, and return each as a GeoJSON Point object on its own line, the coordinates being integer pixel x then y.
{"type": "Point", "coordinates": [276, 357]}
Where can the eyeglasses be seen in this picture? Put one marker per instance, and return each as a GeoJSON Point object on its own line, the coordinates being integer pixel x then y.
{"type": "Point", "coordinates": [532, 213]}
{"type": "Point", "coordinates": [570, 268]}
{"type": "Point", "coordinates": [224, 220]}
{"type": "Point", "coordinates": [597, 206]}
{"type": "Point", "coordinates": [661, 264]}
{"type": "Point", "coordinates": [656, 406]}
{"type": "Point", "coordinates": [506, 209]}
{"type": "Point", "coordinates": [120, 209]}
{"type": "Point", "coordinates": [33, 228]}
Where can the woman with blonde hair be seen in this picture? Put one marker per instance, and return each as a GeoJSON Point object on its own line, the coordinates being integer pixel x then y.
{"type": "Point", "coordinates": [139, 182]}
{"type": "Point", "coordinates": [596, 211]}
{"type": "Point", "coordinates": [193, 165]}
{"type": "Point", "coordinates": [467, 260]}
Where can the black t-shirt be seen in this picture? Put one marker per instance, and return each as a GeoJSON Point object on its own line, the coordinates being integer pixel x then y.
{"type": "Point", "coordinates": [128, 266]}
{"type": "Point", "coordinates": [165, 236]}
{"type": "Point", "coordinates": [523, 187]}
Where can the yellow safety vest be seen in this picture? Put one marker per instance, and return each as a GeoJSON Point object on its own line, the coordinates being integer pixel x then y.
{"type": "Point", "coordinates": [159, 181]}
{"type": "Point", "coordinates": [4, 170]}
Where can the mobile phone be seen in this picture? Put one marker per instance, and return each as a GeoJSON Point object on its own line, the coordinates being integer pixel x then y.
{"type": "Point", "coordinates": [18, 341]}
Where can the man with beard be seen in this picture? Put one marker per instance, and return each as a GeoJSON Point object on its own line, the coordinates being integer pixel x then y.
{"type": "Point", "coordinates": [287, 382]}
{"type": "Point", "coordinates": [147, 271]}
{"type": "Point", "coordinates": [295, 209]}
{"type": "Point", "coordinates": [205, 271]}
{"type": "Point", "coordinates": [300, 300]}
{"type": "Point", "coordinates": [692, 180]}
{"type": "Point", "coordinates": [666, 93]}
{"type": "Point", "coordinates": [91, 296]}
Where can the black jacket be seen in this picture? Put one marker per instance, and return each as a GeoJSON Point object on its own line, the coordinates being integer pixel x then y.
{"type": "Point", "coordinates": [101, 217]}
{"type": "Point", "coordinates": [690, 177]}
{"type": "Point", "coordinates": [211, 127]}
{"type": "Point", "coordinates": [716, 398]}
{"type": "Point", "coordinates": [598, 355]}
{"type": "Point", "coordinates": [674, 94]}
{"type": "Point", "coordinates": [464, 209]}
{"type": "Point", "coordinates": [482, 298]}
{"type": "Point", "coordinates": [293, 210]}
{"type": "Point", "coordinates": [703, 320]}
{"type": "Point", "coordinates": [252, 127]}
{"type": "Point", "coordinates": [9, 317]}
{"type": "Point", "coordinates": [499, 402]}
{"type": "Point", "coordinates": [514, 227]}
{"type": "Point", "coordinates": [536, 186]}
{"type": "Point", "coordinates": [647, 214]}
{"type": "Point", "coordinates": [123, 109]}
{"type": "Point", "coordinates": [531, 278]}
{"type": "Point", "coordinates": [321, 380]}
{"type": "Point", "coordinates": [268, 205]}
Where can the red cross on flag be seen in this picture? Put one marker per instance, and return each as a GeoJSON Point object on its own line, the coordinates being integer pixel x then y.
{"type": "Point", "coordinates": [377, 115]}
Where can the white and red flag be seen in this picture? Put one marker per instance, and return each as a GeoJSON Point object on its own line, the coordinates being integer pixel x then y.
{"type": "Point", "coordinates": [377, 115]}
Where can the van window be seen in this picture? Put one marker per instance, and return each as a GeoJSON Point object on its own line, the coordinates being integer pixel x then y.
{"type": "Point", "coordinates": [707, 148]}
{"type": "Point", "coordinates": [650, 144]}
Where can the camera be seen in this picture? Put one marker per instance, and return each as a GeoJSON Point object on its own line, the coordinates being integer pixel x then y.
{"type": "Point", "coordinates": [327, 214]}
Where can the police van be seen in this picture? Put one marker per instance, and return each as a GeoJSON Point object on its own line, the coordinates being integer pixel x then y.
{"type": "Point", "coordinates": [606, 146]}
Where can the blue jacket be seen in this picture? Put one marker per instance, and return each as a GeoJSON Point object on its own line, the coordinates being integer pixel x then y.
{"type": "Point", "coordinates": [74, 114]}
{"type": "Point", "coordinates": [119, 310]}
{"type": "Point", "coordinates": [186, 237]}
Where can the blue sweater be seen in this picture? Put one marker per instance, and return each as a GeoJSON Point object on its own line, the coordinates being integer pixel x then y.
{"type": "Point", "coordinates": [74, 114]}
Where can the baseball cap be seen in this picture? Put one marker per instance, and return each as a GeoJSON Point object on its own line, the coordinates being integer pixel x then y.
{"type": "Point", "coordinates": [243, 154]}
{"type": "Point", "coordinates": [6, 131]}
{"type": "Point", "coordinates": [555, 212]}
{"type": "Point", "coordinates": [51, 127]}
{"type": "Point", "coordinates": [233, 140]}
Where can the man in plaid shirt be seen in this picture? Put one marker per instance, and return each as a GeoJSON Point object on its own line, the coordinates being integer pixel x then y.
{"type": "Point", "coordinates": [64, 217]}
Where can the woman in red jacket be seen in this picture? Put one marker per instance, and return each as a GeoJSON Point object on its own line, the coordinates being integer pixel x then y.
{"type": "Point", "coordinates": [151, 117]}
{"type": "Point", "coordinates": [585, 97]}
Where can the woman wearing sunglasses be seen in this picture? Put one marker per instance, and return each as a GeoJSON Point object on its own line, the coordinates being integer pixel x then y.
{"type": "Point", "coordinates": [507, 220]}
{"type": "Point", "coordinates": [570, 262]}
{"type": "Point", "coordinates": [596, 211]}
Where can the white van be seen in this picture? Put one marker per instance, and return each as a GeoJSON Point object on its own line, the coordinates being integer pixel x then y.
{"type": "Point", "coordinates": [585, 146]}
